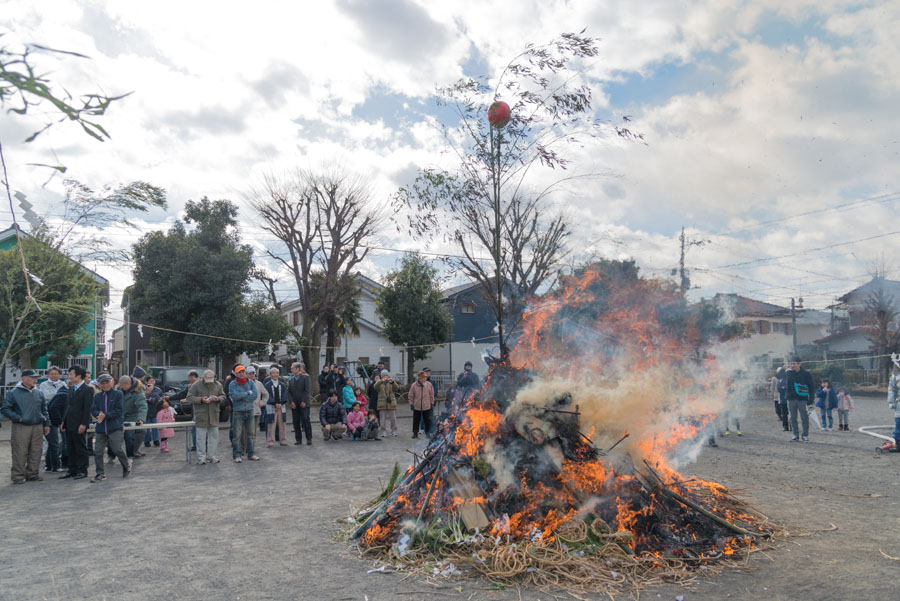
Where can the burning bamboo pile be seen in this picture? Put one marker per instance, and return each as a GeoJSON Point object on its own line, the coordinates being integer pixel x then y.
{"type": "Point", "coordinates": [535, 480]}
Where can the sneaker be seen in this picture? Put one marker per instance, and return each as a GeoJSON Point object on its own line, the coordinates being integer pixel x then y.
{"type": "Point", "coordinates": [284, 444]}
{"type": "Point", "coordinates": [35, 479]}
{"type": "Point", "coordinates": [155, 443]}
{"type": "Point", "coordinates": [394, 434]}
{"type": "Point", "coordinates": [795, 439]}
{"type": "Point", "coordinates": [309, 442]}
{"type": "Point", "coordinates": [727, 431]}
{"type": "Point", "coordinates": [237, 459]}
{"type": "Point", "coordinates": [739, 433]}
{"type": "Point", "coordinates": [147, 444]}
{"type": "Point", "coordinates": [712, 443]}
{"type": "Point", "coordinates": [164, 450]}
{"type": "Point", "coordinates": [787, 429]}
{"type": "Point", "coordinates": [139, 454]}
{"type": "Point", "coordinates": [202, 461]}
{"type": "Point", "coordinates": [253, 458]}
{"type": "Point", "coordinates": [126, 471]}
{"type": "Point", "coordinates": [270, 444]}
{"type": "Point", "coordinates": [99, 478]}
{"type": "Point", "coordinates": [415, 435]}
{"type": "Point", "coordinates": [213, 460]}
{"type": "Point", "coordinates": [805, 439]}
{"type": "Point", "coordinates": [299, 442]}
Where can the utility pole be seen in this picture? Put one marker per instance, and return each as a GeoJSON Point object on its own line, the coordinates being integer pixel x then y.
{"type": "Point", "coordinates": [794, 307]}
{"type": "Point", "coordinates": [681, 271]}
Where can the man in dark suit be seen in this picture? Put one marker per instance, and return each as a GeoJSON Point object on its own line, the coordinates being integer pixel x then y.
{"type": "Point", "coordinates": [75, 423]}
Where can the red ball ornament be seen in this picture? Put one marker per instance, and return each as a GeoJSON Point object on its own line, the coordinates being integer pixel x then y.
{"type": "Point", "coordinates": [499, 114]}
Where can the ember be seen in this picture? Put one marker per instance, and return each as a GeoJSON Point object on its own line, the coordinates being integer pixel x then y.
{"type": "Point", "coordinates": [512, 486]}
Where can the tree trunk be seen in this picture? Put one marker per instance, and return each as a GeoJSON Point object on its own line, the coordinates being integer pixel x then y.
{"type": "Point", "coordinates": [410, 360]}
{"type": "Point", "coordinates": [25, 358]}
{"type": "Point", "coordinates": [310, 353]}
{"type": "Point", "coordinates": [330, 339]}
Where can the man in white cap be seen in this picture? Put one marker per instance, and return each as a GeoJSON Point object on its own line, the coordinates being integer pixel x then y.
{"type": "Point", "coordinates": [26, 407]}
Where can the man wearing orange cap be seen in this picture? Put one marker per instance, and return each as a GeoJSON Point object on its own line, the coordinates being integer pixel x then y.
{"type": "Point", "coordinates": [243, 393]}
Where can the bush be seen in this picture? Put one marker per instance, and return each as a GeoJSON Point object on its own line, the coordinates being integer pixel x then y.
{"type": "Point", "coordinates": [854, 377]}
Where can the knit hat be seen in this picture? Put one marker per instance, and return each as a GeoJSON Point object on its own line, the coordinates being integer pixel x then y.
{"type": "Point", "coordinates": [384, 373]}
{"type": "Point", "coordinates": [138, 372]}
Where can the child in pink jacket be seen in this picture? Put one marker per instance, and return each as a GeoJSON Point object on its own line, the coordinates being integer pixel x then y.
{"type": "Point", "coordinates": [356, 421]}
{"type": "Point", "coordinates": [166, 415]}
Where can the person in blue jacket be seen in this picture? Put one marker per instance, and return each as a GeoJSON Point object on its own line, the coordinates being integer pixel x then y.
{"type": "Point", "coordinates": [108, 413]}
{"type": "Point", "coordinates": [242, 392]}
{"type": "Point", "coordinates": [826, 401]}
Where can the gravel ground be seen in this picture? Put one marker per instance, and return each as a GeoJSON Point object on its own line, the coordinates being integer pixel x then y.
{"type": "Point", "coordinates": [266, 530]}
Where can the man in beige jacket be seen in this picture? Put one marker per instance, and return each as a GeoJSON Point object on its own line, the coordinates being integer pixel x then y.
{"type": "Point", "coordinates": [205, 395]}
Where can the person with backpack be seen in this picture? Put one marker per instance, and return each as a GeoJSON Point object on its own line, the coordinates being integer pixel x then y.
{"type": "Point", "coordinates": [799, 387]}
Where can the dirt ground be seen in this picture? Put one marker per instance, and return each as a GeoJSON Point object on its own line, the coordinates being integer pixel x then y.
{"type": "Point", "coordinates": [261, 531]}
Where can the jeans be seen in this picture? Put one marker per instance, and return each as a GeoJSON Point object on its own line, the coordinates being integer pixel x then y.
{"type": "Point", "coordinates": [243, 422]}
{"type": "Point", "coordinates": [153, 434]}
{"type": "Point", "coordinates": [116, 443]}
{"type": "Point", "coordinates": [53, 448]}
{"type": "Point", "coordinates": [207, 443]}
{"type": "Point", "coordinates": [897, 431]}
{"type": "Point", "coordinates": [843, 417]}
{"type": "Point", "coordinates": [827, 417]}
{"type": "Point", "coordinates": [302, 423]}
{"type": "Point", "coordinates": [796, 407]}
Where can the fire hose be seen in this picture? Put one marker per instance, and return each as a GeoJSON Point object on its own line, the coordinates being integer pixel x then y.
{"type": "Point", "coordinates": [889, 444]}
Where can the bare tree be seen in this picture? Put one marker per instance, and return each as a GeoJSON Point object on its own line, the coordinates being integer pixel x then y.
{"type": "Point", "coordinates": [323, 220]}
{"type": "Point", "coordinates": [881, 313]}
{"type": "Point", "coordinates": [492, 203]}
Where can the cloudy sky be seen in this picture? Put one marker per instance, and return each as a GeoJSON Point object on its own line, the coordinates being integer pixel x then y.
{"type": "Point", "coordinates": [771, 128]}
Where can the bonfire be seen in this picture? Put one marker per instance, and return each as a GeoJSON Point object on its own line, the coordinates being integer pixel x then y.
{"type": "Point", "coordinates": [566, 477]}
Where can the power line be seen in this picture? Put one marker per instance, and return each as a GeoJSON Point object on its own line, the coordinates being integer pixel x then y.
{"type": "Point", "coordinates": [809, 250]}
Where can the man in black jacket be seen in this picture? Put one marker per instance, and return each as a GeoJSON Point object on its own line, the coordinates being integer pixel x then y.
{"type": "Point", "coordinates": [298, 396]}
{"type": "Point", "coordinates": [75, 423]}
{"type": "Point", "coordinates": [799, 390]}
{"type": "Point", "coordinates": [277, 399]}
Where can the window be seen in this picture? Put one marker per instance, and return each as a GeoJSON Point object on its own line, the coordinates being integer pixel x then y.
{"type": "Point", "coordinates": [386, 361]}
{"type": "Point", "coordinates": [467, 308]}
{"type": "Point", "coordinates": [340, 361]}
{"type": "Point", "coordinates": [363, 360]}
{"type": "Point", "coordinates": [295, 318]}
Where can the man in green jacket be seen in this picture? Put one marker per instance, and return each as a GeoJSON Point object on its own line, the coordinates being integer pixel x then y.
{"type": "Point", "coordinates": [26, 408]}
{"type": "Point", "coordinates": [135, 412]}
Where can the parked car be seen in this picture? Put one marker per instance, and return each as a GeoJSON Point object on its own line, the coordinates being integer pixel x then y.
{"type": "Point", "coordinates": [173, 379]}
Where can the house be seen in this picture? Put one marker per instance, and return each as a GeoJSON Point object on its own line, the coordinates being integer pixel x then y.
{"type": "Point", "coordinates": [92, 355]}
{"type": "Point", "coordinates": [849, 310]}
{"type": "Point", "coordinates": [770, 326]}
{"type": "Point", "coordinates": [851, 336]}
{"type": "Point", "coordinates": [474, 333]}
{"type": "Point", "coordinates": [368, 348]}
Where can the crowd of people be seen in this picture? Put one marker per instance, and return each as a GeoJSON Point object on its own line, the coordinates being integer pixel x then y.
{"type": "Point", "coordinates": [80, 417]}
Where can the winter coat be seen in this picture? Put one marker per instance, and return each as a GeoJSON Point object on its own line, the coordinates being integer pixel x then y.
{"type": "Point", "coordinates": [78, 407]}
{"type": "Point", "coordinates": [782, 391]}
{"type": "Point", "coordinates": [273, 387]}
{"type": "Point", "coordinates": [421, 396]}
{"type": "Point", "coordinates": [242, 396]}
{"type": "Point", "coordinates": [363, 403]}
{"type": "Point", "coordinates": [826, 399]}
{"type": "Point", "coordinates": [49, 388]}
{"type": "Point", "coordinates": [387, 398]}
{"type": "Point", "coordinates": [894, 394]}
{"type": "Point", "coordinates": [348, 397]}
{"type": "Point", "coordinates": [262, 399]}
{"type": "Point", "coordinates": [166, 416]}
{"type": "Point", "coordinates": [372, 394]}
{"type": "Point", "coordinates": [845, 402]}
{"type": "Point", "coordinates": [467, 379]}
{"type": "Point", "coordinates": [799, 386]}
{"type": "Point", "coordinates": [332, 413]}
{"type": "Point", "coordinates": [135, 405]}
{"type": "Point", "coordinates": [206, 415]}
{"type": "Point", "coordinates": [298, 390]}
{"type": "Point", "coordinates": [56, 408]}
{"type": "Point", "coordinates": [112, 404]}
{"type": "Point", "coordinates": [324, 383]}
{"type": "Point", "coordinates": [27, 407]}
{"type": "Point", "coordinates": [154, 399]}
{"type": "Point", "coordinates": [355, 419]}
